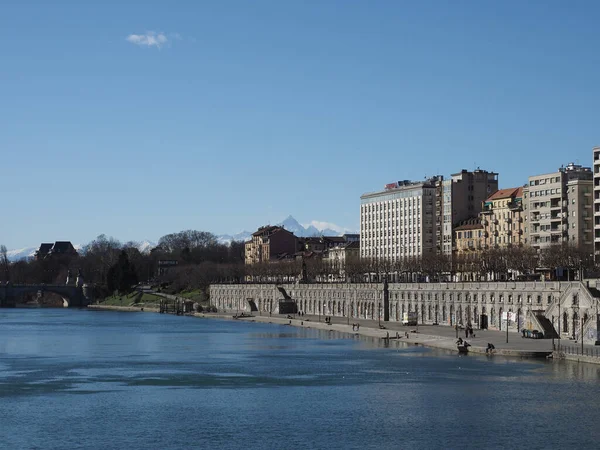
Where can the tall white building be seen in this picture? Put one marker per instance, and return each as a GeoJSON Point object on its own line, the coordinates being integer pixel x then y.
{"type": "Point", "coordinates": [398, 222]}
{"type": "Point", "coordinates": [596, 152]}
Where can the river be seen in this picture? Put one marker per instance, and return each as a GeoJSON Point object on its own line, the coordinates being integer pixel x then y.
{"type": "Point", "coordinates": [111, 380]}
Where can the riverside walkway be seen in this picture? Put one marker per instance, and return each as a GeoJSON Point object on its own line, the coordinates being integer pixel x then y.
{"type": "Point", "coordinates": [435, 336]}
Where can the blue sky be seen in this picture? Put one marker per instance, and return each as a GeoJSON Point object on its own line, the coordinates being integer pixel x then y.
{"type": "Point", "coordinates": [246, 112]}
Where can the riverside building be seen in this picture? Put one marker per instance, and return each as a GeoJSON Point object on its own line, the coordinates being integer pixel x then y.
{"type": "Point", "coordinates": [558, 208]}
{"type": "Point", "coordinates": [596, 151]}
{"type": "Point", "coordinates": [502, 219]}
{"type": "Point", "coordinates": [398, 222]}
{"type": "Point", "coordinates": [462, 197]}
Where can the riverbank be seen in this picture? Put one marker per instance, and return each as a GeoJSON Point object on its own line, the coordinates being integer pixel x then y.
{"type": "Point", "coordinates": [428, 336]}
{"type": "Point", "coordinates": [123, 308]}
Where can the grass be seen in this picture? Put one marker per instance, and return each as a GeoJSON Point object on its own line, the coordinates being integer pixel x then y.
{"type": "Point", "coordinates": [132, 299]}
{"type": "Point", "coordinates": [196, 295]}
{"type": "Point", "coordinates": [120, 300]}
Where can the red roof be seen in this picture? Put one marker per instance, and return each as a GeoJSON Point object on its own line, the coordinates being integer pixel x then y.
{"type": "Point", "coordinates": [506, 193]}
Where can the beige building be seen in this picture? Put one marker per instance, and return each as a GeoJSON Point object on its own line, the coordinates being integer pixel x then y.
{"type": "Point", "coordinates": [558, 208]}
{"type": "Point", "coordinates": [462, 198]}
{"type": "Point", "coordinates": [596, 152]}
{"type": "Point", "coordinates": [270, 243]}
{"type": "Point", "coordinates": [398, 222]}
{"type": "Point", "coordinates": [469, 236]}
{"type": "Point", "coordinates": [502, 218]}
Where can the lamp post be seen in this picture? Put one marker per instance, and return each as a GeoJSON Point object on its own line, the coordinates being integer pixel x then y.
{"type": "Point", "coordinates": [507, 320]}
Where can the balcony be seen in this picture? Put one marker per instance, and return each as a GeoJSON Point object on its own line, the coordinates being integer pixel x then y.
{"type": "Point", "coordinates": [514, 206]}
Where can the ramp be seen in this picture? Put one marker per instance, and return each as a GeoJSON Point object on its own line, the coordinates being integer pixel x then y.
{"type": "Point", "coordinates": [546, 326]}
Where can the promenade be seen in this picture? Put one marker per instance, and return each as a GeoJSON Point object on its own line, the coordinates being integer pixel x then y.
{"type": "Point", "coordinates": [434, 336]}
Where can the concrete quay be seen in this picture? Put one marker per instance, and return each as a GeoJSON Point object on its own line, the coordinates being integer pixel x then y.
{"type": "Point", "coordinates": [433, 336]}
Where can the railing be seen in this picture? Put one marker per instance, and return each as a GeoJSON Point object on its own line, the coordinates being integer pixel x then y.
{"type": "Point", "coordinates": [573, 349]}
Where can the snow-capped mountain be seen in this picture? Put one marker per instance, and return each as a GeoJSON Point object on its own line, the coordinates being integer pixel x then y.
{"type": "Point", "coordinates": [227, 238]}
{"type": "Point", "coordinates": [314, 228]}
{"type": "Point", "coordinates": [146, 246]}
{"type": "Point", "coordinates": [21, 253]}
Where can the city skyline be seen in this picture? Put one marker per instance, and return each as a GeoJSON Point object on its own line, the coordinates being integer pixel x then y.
{"type": "Point", "coordinates": [136, 123]}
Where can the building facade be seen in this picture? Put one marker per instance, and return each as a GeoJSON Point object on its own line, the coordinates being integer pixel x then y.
{"type": "Point", "coordinates": [462, 197]}
{"type": "Point", "coordinates": [502, 218]}
{"type": "Point", "coordinates": [398, 222]}
{"type": "Point", "coordinates": [270, 243]}
{"type": "Point", "coordinates": [558, 208]}
{"type": "Point", "coordinates": [596, 152]}
{"type": "Point", "coordinates": [469, 236]}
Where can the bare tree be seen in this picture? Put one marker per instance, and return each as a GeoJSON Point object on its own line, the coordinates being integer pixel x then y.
{"type": "Point", "coordinates": [4, 262]}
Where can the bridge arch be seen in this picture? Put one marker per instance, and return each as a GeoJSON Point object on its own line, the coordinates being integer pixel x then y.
{"type": "Point", "coordinates": [72, 295]}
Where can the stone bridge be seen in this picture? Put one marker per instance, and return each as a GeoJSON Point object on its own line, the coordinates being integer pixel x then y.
{"type": "Point", "coordinates": [75, 296]}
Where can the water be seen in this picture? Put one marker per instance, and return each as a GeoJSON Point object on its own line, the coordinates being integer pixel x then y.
{"type": "Point", "coordinates": [83, 379]}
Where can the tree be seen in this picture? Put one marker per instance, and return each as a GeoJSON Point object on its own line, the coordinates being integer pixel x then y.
{"type": "Point", "coordinates": [121, 276]}
{"type": "Point", "coordinates": [4, 263]}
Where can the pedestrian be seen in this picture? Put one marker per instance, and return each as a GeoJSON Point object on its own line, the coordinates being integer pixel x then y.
{"type": "Point", "coordinates": [466, 332]}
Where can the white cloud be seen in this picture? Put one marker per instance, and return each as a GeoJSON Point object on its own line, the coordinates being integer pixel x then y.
{"type": "Point", "coordinates": [149, 39]}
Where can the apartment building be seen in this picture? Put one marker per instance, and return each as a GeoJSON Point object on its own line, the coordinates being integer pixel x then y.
{"type": "Point", "coordinates": [462, 197]}
{"type": "Point", "coordinates": [398, 222]}
{"type": "Point", "coordinates": [269, 243]}
{"type": "Point", "coordinates": [469, 236]}
{"type": "Point", "coordinates": [558, 208]}
{"type": "Point", "coordinates": [503, 219]}
{"type": "Point", "coordinates": [596, 151]}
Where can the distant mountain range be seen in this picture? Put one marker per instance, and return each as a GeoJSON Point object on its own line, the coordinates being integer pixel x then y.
{"type": "Point", "coordinates": [314, 228]}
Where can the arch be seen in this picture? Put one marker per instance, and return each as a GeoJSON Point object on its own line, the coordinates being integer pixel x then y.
{"type": "Point", "coordinates": [575, 323]}
{"type": "Point", "coordinates": [500, 311]}
{"type": "Point", "coordinates": [444, 316]}
{"type": "Point", "coordinates": [72, 295]}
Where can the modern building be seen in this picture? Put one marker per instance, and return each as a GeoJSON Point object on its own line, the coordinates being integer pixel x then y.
{"type": "Point", "coordinates": [558, 208]}
{"type": "Point", "coordinates": [503, 220]}
{"type": "Point", "coordinates": [398, 222]}
{"type": "Point", "coordinates": [462, 198]}
{"type": "Point", "coordinates": [596, 151]}
{"type": "Point", "coordinates": [269, 243]}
